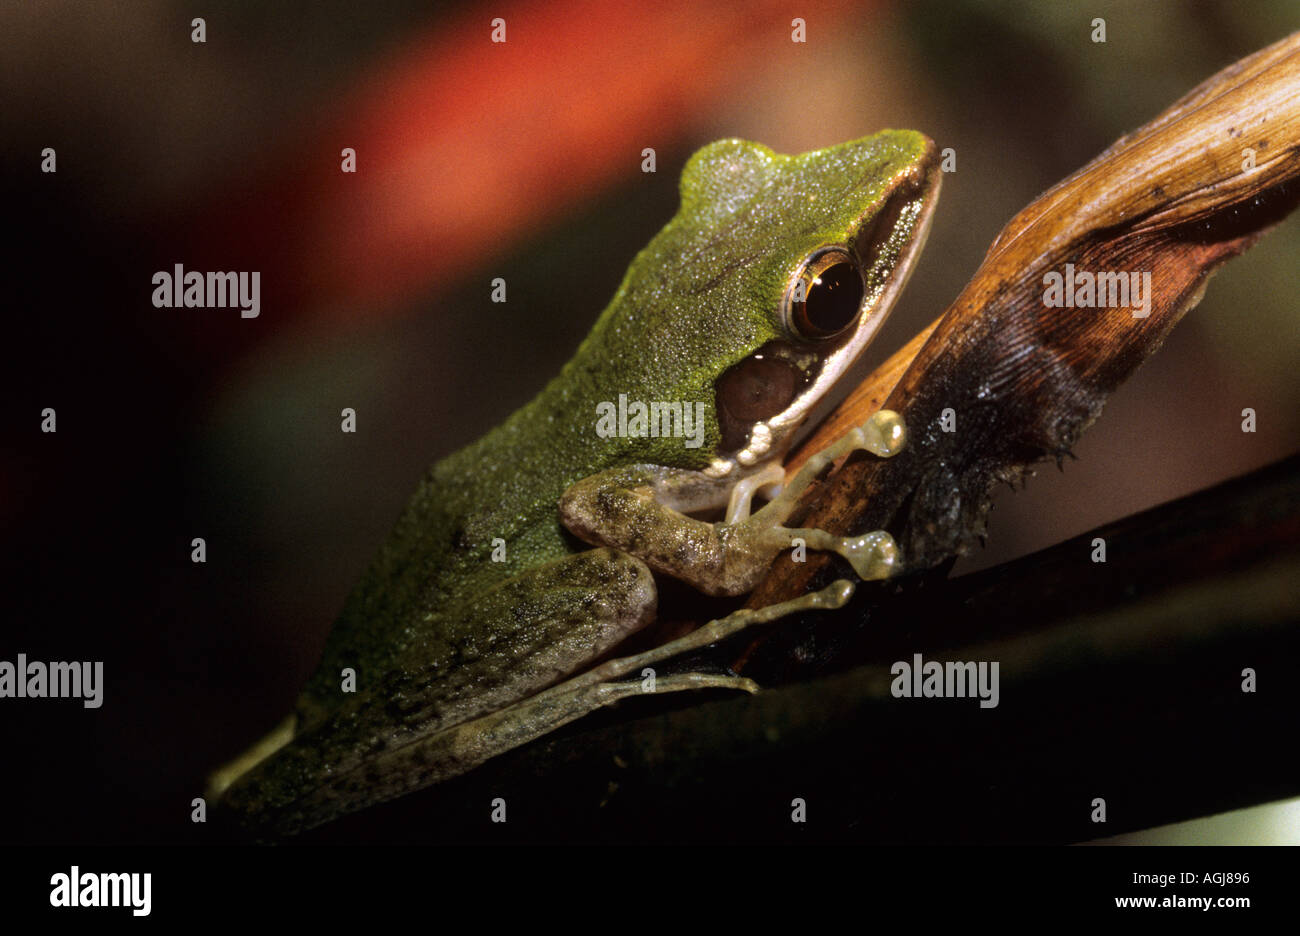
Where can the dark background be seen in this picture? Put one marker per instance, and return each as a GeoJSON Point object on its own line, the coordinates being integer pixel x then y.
{"type": "Point", "coordinates": [476, 161]}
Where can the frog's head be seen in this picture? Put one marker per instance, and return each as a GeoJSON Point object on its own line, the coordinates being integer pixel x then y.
{"type": "Point", "coordinates": [769, 282]}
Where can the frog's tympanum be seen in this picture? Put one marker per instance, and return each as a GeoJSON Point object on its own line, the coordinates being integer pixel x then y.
{"type": "Point", "coordinates": [477, 625]}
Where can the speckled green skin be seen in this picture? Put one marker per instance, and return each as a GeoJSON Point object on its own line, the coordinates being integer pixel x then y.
{"type": "Point", "coordinates": [434, 626]}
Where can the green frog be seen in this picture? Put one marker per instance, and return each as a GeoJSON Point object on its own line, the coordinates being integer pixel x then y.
{"type": "Point", "coordinates": [491, 614]}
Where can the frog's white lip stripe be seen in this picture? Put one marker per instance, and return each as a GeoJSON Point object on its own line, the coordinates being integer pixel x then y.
{"type": "Point", "coordinates": [781, 426]}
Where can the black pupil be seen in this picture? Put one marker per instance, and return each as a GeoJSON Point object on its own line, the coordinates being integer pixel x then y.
{"type": "Point", "coordinates": [833, 299]}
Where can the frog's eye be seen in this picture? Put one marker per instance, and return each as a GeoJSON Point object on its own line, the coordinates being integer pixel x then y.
{"type": "Point", "coordinates": [827, 295]}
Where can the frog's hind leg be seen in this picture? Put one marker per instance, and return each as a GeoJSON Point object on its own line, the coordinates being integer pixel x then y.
{"type": "Point", "coordinates": [458, 748]}
{"type": "Point", "coordinates": [420, 720]}
{"type": "Point", "coordinates": [463, 747]}
{"type": "Point", "coordinates": [221, 778]}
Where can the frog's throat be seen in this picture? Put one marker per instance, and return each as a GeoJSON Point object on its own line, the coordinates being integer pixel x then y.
{"type": "Point", "coordinates": [771, 437]}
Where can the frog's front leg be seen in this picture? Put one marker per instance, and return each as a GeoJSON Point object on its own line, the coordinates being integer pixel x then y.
{"type": "Point", "coordinates": [638, 510]}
